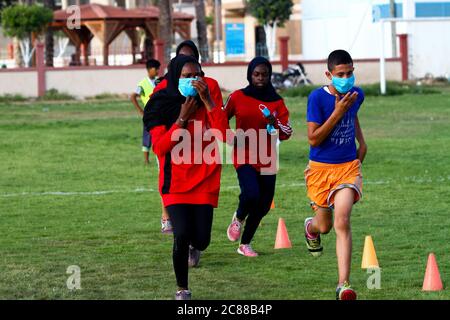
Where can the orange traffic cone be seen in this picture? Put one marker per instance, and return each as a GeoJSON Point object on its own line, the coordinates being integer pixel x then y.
{"type": "Point", "coordinates": [369, 259]}
{"type": "Point", "coordinates": [272, 206]}
{"type": "Point", "coordinates": [432, 280]}
{"type": "Point", "coordinates": [282, 240]}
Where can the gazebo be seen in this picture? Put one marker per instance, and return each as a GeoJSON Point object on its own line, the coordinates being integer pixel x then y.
{"type": "Point", "coordinates": [107, 22]}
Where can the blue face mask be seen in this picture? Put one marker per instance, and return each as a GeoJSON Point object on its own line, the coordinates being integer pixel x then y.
{"type": "Point", "coordinates": [185, 87]}
{"type": "Point", "coordinates": [343, 85]}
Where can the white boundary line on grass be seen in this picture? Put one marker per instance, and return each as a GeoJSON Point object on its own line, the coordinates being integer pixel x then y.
{"type": "Point", "coordinates": [141, 190]}
{"type": "Point", "coordinates": [137, 190]}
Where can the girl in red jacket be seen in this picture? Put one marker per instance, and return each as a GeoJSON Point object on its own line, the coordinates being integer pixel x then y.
{"type": "Point", "coordinates": [188, 48]}
{"type": "Point", "coordinates": [256, 108]}
{"type": "Point", "coordinates": [189, 188]}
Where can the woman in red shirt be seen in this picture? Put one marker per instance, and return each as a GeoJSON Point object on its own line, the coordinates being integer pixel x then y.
{"type": "Point", "coordinates": [188, 48]}
{"type": "Point", "coordinates": [259, 109]}
{"type": "Point", "coordinates": [189, 187]}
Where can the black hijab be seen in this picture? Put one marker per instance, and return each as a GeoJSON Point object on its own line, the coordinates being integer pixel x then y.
{"type": "Point", "coordinates": [190, 44]}
{"type": "Point", "coordinates": [267, 93]}
{"type": "Point", "coordinates": [164, 106]}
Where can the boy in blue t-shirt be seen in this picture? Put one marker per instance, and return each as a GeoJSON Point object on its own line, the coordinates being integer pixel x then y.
{"type": "Point", "coordinates": [333, 175]}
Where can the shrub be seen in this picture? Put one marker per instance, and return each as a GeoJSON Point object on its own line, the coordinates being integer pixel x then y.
{"type": "Point", "coordinates": [54, 94]}
{"type": "Point", "coordinates": [12, 98]}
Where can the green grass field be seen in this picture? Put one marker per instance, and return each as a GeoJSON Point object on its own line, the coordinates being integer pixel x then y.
{"type": "Point", "coordinates": [74, 191]}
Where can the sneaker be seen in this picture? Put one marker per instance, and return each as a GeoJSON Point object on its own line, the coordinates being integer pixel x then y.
{"type": "Point", "coordinates": [166, 226]}
{"type": "Point", "coordinates": [194, 257]}
{"type": "Point", "coordinates": [345, 292]}
{"type": "Point", "coordinates": [183, 295]}
{"type": "Point", "coordinates": [313, 244]}
{"type": "Point", "coordinates": [234, 229]}
{"type": "Point", "coordinates": [246, 250]}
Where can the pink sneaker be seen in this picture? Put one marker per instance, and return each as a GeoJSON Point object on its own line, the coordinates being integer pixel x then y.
{"type": "Point", "coordinates": [234, 229]}
{"type": "Point", "coordinates": [246, 250]}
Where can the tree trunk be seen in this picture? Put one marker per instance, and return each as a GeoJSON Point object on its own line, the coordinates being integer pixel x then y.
{"type": "Point", "coordinates": [201, 29]}
{"type": "Point", "coordinates": [165, 27]}
{"type": "Point", "coordinates": [49, 42]}
{"type": "Point", "coordinates": [18, 53]}
{"type": "Point", "coordinates": [270, 39]}
{"type": "Point", "coordinates": [217, 30]}
{"type": "Point", "coordinates": [49, 45]}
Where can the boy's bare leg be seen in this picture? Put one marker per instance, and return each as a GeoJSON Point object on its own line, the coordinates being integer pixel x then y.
{"type": "Point", "coordinates": [146, 159]}
{"type": "Point", "coordinates": [322, 221]}
{"type": "Point", "coordinates": [343, 203]}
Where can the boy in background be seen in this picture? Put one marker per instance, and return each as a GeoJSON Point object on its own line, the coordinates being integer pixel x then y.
{"type": "Point", "coordinates": [144, 90]}
{"type": "Point", "coordinates": [333, 175]}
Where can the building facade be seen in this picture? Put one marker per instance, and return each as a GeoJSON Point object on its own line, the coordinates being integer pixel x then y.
{"type": "Point", "coordinates": [355, 25]}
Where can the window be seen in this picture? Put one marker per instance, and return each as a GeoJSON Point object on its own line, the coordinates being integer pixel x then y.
{"type": "Point", "coordinates": [432, 9]}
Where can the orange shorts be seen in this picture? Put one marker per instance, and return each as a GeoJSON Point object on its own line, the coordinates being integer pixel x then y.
{"type": "Point", "coordinates": [324, 179]}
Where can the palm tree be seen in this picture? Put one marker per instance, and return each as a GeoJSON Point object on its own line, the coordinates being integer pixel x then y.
{"type": "Point", "coordinates": [165, 26]}
{"type": "Point", "coordinates": [49, 42]}
{"type": "Point", "coordinates": [201, 29]}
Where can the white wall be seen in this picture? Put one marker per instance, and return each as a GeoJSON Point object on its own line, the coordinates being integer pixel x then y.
{"type": "Point", "coordinates": [90, 82]}
{"type": "Point", "coordinates": [84, 83]}
{"type": "Point", "coordinates": [341, 24]}
{"type": "Point", "coordinates": [348, 24]}
{"type": "Point", "coordinates": [429, 49]}
{"type": "Point", "coordinates": [18, 82]}
{"type": "Point", "coordinates": [230, 78]}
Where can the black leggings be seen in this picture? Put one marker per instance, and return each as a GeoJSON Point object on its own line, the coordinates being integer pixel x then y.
{"type": "Point", "coordinates": [191, 226]}
{"type": "Point", "coordinates": [256, 196]}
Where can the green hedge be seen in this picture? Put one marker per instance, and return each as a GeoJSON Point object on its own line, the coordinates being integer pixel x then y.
{"type": "Point", "coordinates": [54, 94]}
{"type": "Point", "coordinates": [12, 98]}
